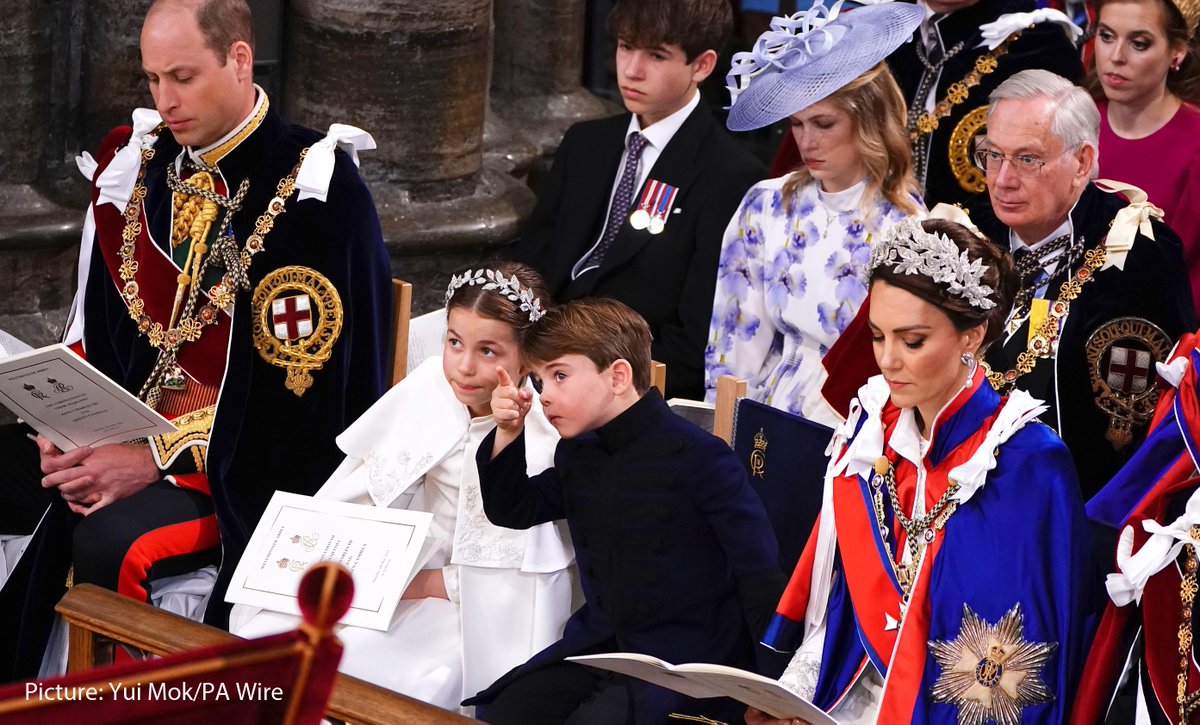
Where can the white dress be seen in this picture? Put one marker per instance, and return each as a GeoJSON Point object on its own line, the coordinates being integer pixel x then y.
{"type": "Point", "coordinates": [510, 591]}
{"type": "Point", "coordinates": [788, 284]}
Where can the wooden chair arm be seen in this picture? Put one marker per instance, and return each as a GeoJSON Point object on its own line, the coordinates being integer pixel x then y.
{"type": "Point", "coordinates": [92, 611]}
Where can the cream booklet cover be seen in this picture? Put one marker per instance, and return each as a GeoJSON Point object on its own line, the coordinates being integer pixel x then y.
{"type": "Point", "coordinates": [702, 680]}
{"type": "Point", "coordinates": [72, 403]}
{"type": "Point", "coordinates": [382, 548]}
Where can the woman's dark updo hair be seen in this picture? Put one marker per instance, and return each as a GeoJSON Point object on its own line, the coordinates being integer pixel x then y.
{"type": "Point", "coordinates": [999, 276]}
{"type": "Point", "coordinates": [495, 306]}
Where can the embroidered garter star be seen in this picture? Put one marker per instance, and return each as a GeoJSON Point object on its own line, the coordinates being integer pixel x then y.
{"type": "Point", "coordinates": [990, 671]}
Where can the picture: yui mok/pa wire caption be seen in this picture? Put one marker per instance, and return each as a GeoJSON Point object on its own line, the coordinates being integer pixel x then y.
{"type": "Point", "coordinates": [162, 691]}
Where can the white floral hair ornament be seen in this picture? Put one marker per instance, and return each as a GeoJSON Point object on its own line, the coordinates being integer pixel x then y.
{"type": "Point", "coordinates": [908, 249]}
{"type": "Point", "coordinates": [494, 280]}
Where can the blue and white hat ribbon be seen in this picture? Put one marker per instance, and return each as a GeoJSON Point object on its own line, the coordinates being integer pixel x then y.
{"type": "Point", "coordinates": [791, 42]}
{"type": "Point", "coordinates": [806, 57]}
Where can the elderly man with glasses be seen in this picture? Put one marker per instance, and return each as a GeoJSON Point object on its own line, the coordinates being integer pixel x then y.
{"type": "Point", "coordinates": [1103, 287]}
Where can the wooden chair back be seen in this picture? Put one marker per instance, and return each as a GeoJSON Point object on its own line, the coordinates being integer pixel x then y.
{"type": "Point", "coordinates": [401, 314]}
{"type": "Point", "coordinates": [729, 389]}
{"type": "Point", "coordinates": [658, 376]}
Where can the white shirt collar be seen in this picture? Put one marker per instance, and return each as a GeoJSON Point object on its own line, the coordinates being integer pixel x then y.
{"type": "Point", "coordinates": [1067, 227]}
{"type": "Point", "coordinates": [660, 134]}
{"type": "Point", "coordinates": [927, 30]}
{"type": "Point", "coordinates": [197, 154]}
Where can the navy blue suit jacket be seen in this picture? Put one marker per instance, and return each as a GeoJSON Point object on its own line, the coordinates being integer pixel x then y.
{"type": "Point", "coordinates": [676, 554]}
{"type": "Point", "coordinates": [668, 278]}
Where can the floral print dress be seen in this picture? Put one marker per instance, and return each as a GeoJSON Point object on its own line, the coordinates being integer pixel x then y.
{"type": "Point", "coordinates": [788, 284]}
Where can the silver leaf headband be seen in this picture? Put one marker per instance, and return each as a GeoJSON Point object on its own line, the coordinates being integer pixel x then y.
{"type": "Point", "coordinates": [908, 249]}
{"type": "Point", "coordinates": [509, 287]}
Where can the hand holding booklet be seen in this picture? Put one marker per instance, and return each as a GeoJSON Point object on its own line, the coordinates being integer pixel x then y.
{"type": "Point", "coordinates": [382, 547]}
{"type": "Point", "coordinates": [701, 680]}
{"type": "Point", "coordinates": [71, 403]}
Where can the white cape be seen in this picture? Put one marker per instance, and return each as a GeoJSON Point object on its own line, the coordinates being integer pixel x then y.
{"type": "Point", "coordinates": [514, 587]}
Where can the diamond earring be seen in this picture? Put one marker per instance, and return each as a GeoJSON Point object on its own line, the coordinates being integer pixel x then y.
{"type": "Point", "coordinates": [967, 359]}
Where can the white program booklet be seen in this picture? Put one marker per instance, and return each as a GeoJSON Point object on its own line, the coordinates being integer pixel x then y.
{"type": "Point", "coordinates": [10, 345]}
{"type": "Point", "coordinates": [701, 680]}
{"type": "Point", "coordinates": [382, 547]}
{"type": "Point", "coordinates": [72, 403]}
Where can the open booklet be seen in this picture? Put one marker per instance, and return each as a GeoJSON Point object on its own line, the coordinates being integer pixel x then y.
{"type": "Point", "coordinates": [70, 402]}
{"type": "Point", "coordinates": [701, 680]}
{"type": "Point", "coordinates": [382, 547]}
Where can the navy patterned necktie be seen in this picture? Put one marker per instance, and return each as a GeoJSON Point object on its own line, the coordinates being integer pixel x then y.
{"type": "Point", "coordinates": [622, 199]}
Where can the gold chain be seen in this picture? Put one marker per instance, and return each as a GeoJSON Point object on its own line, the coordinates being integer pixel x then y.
{"type": "Point", "coordinates": [191, 322]}
{"type": "Point", "coordinates": [918, 531]}
{"type": "Point", "coordinates": [1187, 595]}
{"type": "Point", "coordinates": [1041, 344]}
{"type": "Point", "coordinates": [957, 93]}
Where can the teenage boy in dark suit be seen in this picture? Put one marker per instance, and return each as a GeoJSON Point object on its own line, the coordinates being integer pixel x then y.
{"type": "Point", "coordinates": [636, 205]}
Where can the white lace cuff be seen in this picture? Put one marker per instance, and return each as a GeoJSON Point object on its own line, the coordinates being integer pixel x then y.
{"type": "Point", "coordinates": [450, 580]}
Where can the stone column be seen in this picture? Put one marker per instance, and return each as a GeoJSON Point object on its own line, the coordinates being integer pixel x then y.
{"type": "Point", "coordinates": [414, 74]}
{"type": "Point", "coordinates": [504, 147]}
{"type": "Point", "coordinates": [113, 83]}
{"type": "Point", "coordinates": [37, 235]}
{"type": "Point", "coordinates": [538, 69]}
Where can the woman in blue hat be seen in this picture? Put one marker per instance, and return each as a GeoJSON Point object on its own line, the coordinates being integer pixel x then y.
{"type": "Point", "coordinates": [793, 260]}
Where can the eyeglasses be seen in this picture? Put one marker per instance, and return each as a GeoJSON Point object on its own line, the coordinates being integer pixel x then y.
{"type": "Point", "coordinates": [1025, 165]}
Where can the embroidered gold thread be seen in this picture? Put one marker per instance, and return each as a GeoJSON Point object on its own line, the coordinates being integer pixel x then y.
{"type": "Point", "coordinates": [212, 156]}
{"type": "Point", "coordinates": [991, 672]}
{"type": "Point", "coordinates": [758, 456]}
{"type": "Point", "coordinates": [188, 208]}
{"type": "Point", "coordinates": [1132, 407]}
{"type": "Point", "coordinates": [970, 177]}
{"type": "Point", "coordinates": [1187, 595]}
{"type": "Point", "coordinates": [191, 325]}
{"type": "Point", "coordinates": [304, 354]}
{"type": "Point", "coordinates": [1041, 344]}
{"type": "Point", "coordinates": [957, 93]}
{"type": "Point", "coordinates": [194, 426]}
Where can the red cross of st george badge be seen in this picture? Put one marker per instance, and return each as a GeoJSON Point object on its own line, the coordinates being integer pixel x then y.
{"type": "Point", "coordinates": [291, 317]}
{"type": "Point", "coordinates": [1129, 369]}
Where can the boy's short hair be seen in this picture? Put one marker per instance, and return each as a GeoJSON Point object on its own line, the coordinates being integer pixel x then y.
{"type": "Point", "coordinates": [601, 329]}
{"type": "Point", "coordinates": [694, 25]}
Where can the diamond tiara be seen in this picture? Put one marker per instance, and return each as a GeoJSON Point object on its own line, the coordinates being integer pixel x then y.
{"type": "Point", "coordinates": [908, 249]}
{"type": "Point", "coordinates": [509, 287]}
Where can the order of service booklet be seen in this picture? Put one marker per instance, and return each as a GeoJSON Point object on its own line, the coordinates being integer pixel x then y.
{"type": "Point", "coordinates": [71, 403]}
{"type": "Point", "coordinates": [702, 680]}
{"type": "Point", "coordinates": [382, 547]}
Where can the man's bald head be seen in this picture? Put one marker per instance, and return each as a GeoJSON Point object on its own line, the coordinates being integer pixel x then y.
{"type": "Point", "coordinates": [221, 22]}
